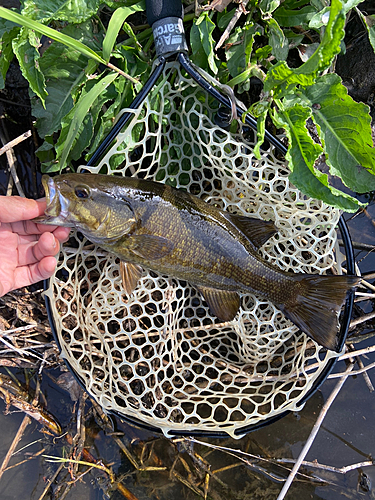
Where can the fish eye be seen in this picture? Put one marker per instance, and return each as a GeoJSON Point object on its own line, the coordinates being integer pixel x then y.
{"type": "Point", "coordinates": [81, 192]}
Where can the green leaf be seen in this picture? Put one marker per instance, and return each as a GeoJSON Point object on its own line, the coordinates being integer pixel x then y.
{"type": "Point", "coordinates": [106, 120]}
{"type": "Point", "coordinates": [64, 71]}
{"type": "Point", "coordinates": [349, 4]}
{"type": "Point", "coordinates": [80, 111]}
{"type": "Point", "coordinates": [240, 46]}
{"type": "Point", "coordinates": [277, 40]}
{"type": "Point", "coordinates": [320, 18]}
{"type": "Point", "coordinates": [225, 18]}
{"type": "Point", "coordinates": [283, 79]}
{"type": "Point", "coordinates": [201, 38]}
{"type": "Point", "coordinates": [6, 52]}
{"type": "Point", "coordinates": [290, 18]}
{"type": "Point", "coordinates": [51, 33]}
{"type": "Point", "coordinates": [25, 47]}
{"type": "Point", "coordinates": [268, 6]}
{"type": "Point", "coordinates": [115, 24]}
{"type": "Point", "coordinates": [302, 154]}
{"type": "Point", "coordinates": [346, 129]}
{"type": "Point", "coordinates": [72, 11]}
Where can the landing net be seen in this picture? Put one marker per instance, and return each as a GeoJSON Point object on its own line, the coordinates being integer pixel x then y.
{"type": "Point", "coordinates": [159, 356]}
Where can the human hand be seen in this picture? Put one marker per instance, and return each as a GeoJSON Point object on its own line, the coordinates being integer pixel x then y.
{"type": "Point", "coordinates": [26, 249]}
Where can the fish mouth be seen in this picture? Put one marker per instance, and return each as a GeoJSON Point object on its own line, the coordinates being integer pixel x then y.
{"type": "Point", "coordinates": [56, 212]}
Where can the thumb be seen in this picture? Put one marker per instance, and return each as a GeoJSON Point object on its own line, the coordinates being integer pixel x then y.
{"type": "Point", "coordinates": [4, 288]}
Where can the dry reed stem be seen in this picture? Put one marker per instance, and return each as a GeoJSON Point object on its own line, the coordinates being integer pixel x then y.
{"type": "Point", "coordinates": [25, 422]}
{"type": "Point", "coordinates": [14, 142]}
{"type": "Point", "coordinates": [11, 158]}
{"type": "Point", "coordinates": [50, 482]}
{"type": "Point", "coordinates": [314, 431]}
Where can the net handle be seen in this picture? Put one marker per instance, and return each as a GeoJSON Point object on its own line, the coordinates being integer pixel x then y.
{"type": "Point", "coordinates": [157, 10]}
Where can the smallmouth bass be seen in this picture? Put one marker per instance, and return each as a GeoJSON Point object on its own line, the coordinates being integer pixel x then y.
{"type": "Point", "coordinates": [154, 226]}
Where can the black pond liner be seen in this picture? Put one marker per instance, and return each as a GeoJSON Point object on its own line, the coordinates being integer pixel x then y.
{"type": "Point", "coordinates": [165, 17]}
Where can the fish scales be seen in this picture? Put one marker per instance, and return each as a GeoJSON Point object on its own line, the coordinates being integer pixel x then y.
{"type": "Point", "coordinates": [163, 229]}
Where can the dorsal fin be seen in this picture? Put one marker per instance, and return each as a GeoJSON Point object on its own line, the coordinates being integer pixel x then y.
{"type": "Point", "coordinates": [258, 231]}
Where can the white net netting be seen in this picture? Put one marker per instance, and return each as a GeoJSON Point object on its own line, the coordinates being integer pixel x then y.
{"type": "Point", "coordinates": [159, 356]}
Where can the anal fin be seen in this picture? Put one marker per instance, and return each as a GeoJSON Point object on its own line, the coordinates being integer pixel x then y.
{"type": "Point", "coordinates": [130, 275]}
{"type": "Point", "coordinates": [222, 303]}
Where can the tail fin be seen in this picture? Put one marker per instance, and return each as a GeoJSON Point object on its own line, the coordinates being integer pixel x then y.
{"type": "Point", "coordinates": [316, 305]}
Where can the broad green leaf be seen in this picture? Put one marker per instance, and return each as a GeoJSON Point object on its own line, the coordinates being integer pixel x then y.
{"type": "Point", "coordinates": [46, 152]}
{"type": "Point", "coordinates": [72, 11]}
{"type": "Point", "coordinates": [346, 130]}
{"type": "Point", "coordinates": [350, 4]}
{"type": "Point", "coordinates": [6, 26]}
{"type": "Point", "coordinates": [268, 6]}
{"type": "Point", "coordinates": [302, 154]}
{"type": "Point", "coordinates": [297, 4]}
{"type": "Point", "coordinates": [277, 40]}
{"type": "Point", "coordinates": [290, 18]}
{"type": "Point", "coordinates": [239, 53]}
{"type": "Point", "coordinates": [106, 120]}
{"type": "Point", "coordinates": [6, 52]}
{"type": "Point", "coordinates": [330, 45]}
{"type": "Point", "coordinates": [64, 71]}
{"type": "Point", "coordinates": [263, 52]}
{"type": "Point", "coordinates": [80, 111]}
{"type": "Point", "coordinates": [51, 33]}
{"type": "Point", "coordinates": [225, 18]}
{"type": "Point", "coordinates": [115, 24]}
{"type": "Point", "coordinates": [25, 47]}
{"type": "Point", "coordinates": [86, 131]}
{"type": "Point", "coordinates": [320, 18]}
{"type": "Point", "coordinates": [283, 79]}
{"type": "Point", "coordinates": [318, 4]}
{"type": "Point", "coordinates": [201, 38]}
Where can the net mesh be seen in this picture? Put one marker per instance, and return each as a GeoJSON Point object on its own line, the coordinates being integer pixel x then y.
{"type": "Point", "coordinates": [158, 355]}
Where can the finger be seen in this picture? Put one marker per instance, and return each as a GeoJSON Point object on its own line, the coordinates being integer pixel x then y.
{"type": "Point", "coordinates": [27, 228]}
{"type": "Point", "coordinates": [35, 251]}
{"type": "Point", "coordinates": [15, 208]}
{"type": "Point", "coordinates": [26, 275]}
{"type": "Point", "coordinates": [62, 234]}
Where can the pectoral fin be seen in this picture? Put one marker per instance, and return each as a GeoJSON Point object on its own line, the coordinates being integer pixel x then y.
{"type": "Point", "coordinates": [222, 303]}
{"type": "Point", "coordinates": [130, 275]}
{"type": "Point", "coordinates": [258, 231]}
{"type": "Point", "coordinates": [149, 247]}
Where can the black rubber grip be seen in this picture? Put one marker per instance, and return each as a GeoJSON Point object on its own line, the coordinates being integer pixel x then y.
{"type": "Point", "coordinates": [160, 9]}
